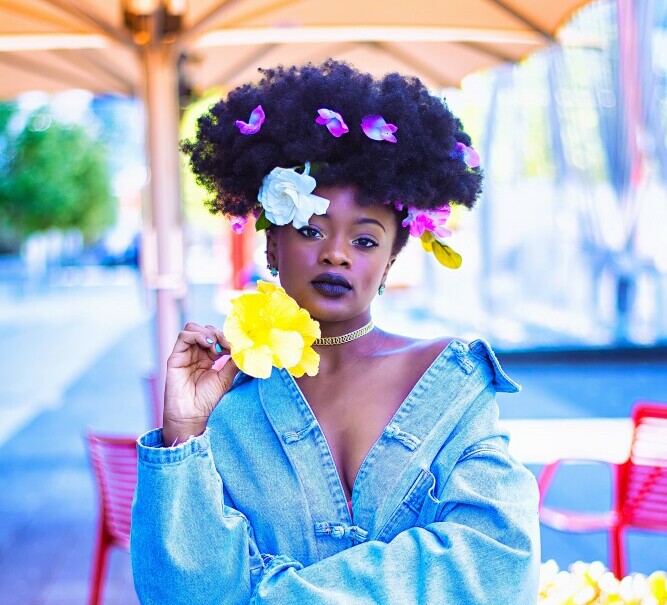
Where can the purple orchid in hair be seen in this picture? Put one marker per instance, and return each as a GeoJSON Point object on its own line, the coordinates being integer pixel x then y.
{"type": "Point", "coordinates": [434, 221]}
{"type": "Point", "coordinates": [333, 121]}
{"type": "Point", "coordinates": [469, 155]}
{"type": "Point", "coordinates": [238, 223]}
{"type": "Point", "coordinates": [255, 122]}
{"type": "Point", "coordinates": [376, 128]}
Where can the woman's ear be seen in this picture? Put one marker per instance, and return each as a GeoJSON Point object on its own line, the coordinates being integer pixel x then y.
{"type": "Point", "coordinates": [390, 262]}
{"type": "Point", "coordinates": [271, 248]}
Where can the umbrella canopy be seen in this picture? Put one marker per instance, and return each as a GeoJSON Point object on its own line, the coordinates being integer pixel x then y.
{"type": "Point", "coordinates": [41, 41]}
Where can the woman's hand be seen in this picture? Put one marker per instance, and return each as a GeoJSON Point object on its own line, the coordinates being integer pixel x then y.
{"type": "Point", "coordinates": [193, 388]}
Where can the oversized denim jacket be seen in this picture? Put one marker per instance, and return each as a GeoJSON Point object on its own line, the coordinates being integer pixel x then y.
{"type": "Point", "coordinates": [253, 511]}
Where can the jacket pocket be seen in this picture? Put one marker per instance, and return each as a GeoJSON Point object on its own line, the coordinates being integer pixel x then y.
{"type": "Point", "coordinates": [417, 509]}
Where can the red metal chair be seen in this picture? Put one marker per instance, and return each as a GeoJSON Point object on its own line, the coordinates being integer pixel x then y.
{"type": "Point", "coordinates": [639, 488]}
{"type": "Point", "coordinates": [114, 461]}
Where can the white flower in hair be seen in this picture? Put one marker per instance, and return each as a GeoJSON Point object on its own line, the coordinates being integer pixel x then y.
{"type": "Point", "coordinates": [287, 197]}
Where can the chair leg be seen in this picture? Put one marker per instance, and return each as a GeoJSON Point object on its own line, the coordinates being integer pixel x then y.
{"type": "Point", "coordinates": [617, 551]}
{"type": "Point", "coordinates": [99, 567]}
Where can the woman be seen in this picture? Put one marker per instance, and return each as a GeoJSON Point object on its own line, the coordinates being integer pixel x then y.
{"type": "Point", "coordinates": [383, 476]}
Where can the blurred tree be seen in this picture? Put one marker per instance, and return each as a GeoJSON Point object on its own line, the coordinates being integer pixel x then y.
{"type": "Point", "coordinates": [52, 176]}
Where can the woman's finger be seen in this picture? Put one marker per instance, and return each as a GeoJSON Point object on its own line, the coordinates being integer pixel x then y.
{"type": "Point", "coordinates": [219, 336]}
{"type": "Point", "coordinates": [187, 339]}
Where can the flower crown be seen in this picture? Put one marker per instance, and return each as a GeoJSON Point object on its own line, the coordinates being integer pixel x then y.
{"type": "Point", "coordinates": [286, 195]}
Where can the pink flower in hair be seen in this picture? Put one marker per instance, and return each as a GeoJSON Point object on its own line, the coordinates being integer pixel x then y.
{"type": "Point", "coordinates": [255, 122]}
{"type": "Point", "coordinates": [420, 221]}
{"type": "Point", "coordinates": [469, 155]}
{"type": "Point", "coordinates": [333, 121]}
{"type": "Point", "coordinates": [238, 223]}
{"type": "Point", "coordinates": [376, 128]}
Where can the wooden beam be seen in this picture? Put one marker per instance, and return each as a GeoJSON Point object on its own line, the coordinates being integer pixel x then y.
{"type": "Point", "coordinates": [525, 20]}
{"type": "Point", "coordinates": [233, 71]}
{"type": "Point", "coordinates": [34, 15]}
{"type": "Point", "coordinates": [89, 59]}
{"type": "Point", "coordinates": [86, 15]}
{"type": "Point", "coordinates": [37, 67]}
{"type": "Point", "coordinates": [416, 65]}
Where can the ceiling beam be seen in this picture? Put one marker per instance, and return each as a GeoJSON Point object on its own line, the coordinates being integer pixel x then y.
{"type": "Point", "coordinates": [216, 13]}
{"type": "Point", "coordinates": [55, 74]}
{"type": "Point", "coordinates": [34, 14]}
{"type": "Point", "coordinates": [415, 65]}
{"type": "Point", "coordinates": [525, 20]}
{"type": "Point", "coordinates": [87, 60]}
{"type": "Point", "coordinates": [232, 71]}
{"type": "Point", "coordinates": [86, 15]}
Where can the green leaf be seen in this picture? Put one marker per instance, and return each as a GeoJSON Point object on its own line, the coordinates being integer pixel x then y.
{"type": "Point", "coordinates": [262, 222]}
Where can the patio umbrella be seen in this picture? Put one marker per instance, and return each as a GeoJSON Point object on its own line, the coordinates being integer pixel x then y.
{"type": "Point", "coordinates": [137, 47]}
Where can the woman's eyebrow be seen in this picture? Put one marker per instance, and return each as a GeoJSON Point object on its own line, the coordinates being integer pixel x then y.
{"type": "Point", "coordinates": [361, 221]}
{"type": "Point", "coordinates": [367, 220]}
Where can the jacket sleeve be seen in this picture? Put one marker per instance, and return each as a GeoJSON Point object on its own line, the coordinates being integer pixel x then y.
{"type": "Point", "coordinates": [186, 545]}
{"type": "Point", "coordinates": [483, 548]}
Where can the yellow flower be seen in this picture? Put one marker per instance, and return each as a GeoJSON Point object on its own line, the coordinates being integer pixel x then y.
{"type": "Point", "coordinates": [443, 253]}
{"type": "Point", "coordinates": [268, 328]}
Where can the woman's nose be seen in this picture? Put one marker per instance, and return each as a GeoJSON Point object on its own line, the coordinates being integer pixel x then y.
{"type": "Point", "coordinates": [335, 252]}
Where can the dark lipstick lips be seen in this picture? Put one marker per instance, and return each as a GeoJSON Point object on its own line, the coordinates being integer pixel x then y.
{"type": "Point", "coordinates": [334, 279]}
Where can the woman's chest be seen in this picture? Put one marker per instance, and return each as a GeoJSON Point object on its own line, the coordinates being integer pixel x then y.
{"type": "Point", "coordinates": [353, 413]}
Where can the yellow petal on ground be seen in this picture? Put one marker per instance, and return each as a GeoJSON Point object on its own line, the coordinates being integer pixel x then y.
{"type": "Point", "coordinates": [446, 256]}
{"type": "Point", "coordinates": [427, 238]}
{"type": "Point", "coordinates": [255, 361]}
{"type": "Point", "coordinates": [308, 364]}
{"type": "Point", "coordinates": [286, 347]}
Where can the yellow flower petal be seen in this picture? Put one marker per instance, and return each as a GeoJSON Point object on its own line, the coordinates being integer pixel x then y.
{"type": "Point", "coordinates": [308, 364]}
{"type": "Point", "coordinates": [303, 323]}
{"type": "Point", "coordinates": [266, 287]}
{"type": "Point", "coordinates": [446, 256]}
{"type": "Point", "coordinates": [235, 334]}
{"type": "Point", "coordinates": [266, 328]}
{"type": "Point", "coordinates": [286, 347]}
{"type": "Point", "coordinates": [427, 238]}
{"type": "Point", "coordinates": [255, 361]}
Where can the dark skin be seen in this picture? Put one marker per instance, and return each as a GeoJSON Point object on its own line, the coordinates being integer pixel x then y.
{"type": "Point", "coordinates": [356, 243]}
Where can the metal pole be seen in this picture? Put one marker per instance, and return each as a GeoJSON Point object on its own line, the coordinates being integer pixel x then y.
{"type": "Point", "coordinates": [168, 283]}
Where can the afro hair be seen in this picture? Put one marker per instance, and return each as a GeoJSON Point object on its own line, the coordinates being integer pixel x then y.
{"type": "Point", "coordinates": [423, 169]}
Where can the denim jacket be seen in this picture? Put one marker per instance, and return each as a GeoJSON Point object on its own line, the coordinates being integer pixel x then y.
{"type": "Point", "coordinates": [253, 511]}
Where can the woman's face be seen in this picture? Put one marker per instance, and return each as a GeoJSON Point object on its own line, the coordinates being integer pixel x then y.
{"type": "Point", "coordinates": [334, 266]}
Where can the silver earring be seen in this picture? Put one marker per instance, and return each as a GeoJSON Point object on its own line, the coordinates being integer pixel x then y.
{"type": "Point", "coordinates": [381, 290]}
{"type": "Point", "coordinates": [272, 270]}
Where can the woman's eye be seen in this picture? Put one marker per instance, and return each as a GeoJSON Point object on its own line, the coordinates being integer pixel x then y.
{"type": "Point", "coordinates": [309, 232]}
{"type": "Point", "coordinates": [365, 242]}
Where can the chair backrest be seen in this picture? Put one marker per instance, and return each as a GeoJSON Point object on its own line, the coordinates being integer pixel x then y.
{"type": "Point", "coordinates": [114, 461]}
{"type": "Point", "coordinates": [642, 485]}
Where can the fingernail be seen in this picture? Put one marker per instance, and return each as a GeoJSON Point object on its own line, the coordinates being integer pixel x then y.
{"type": "Point", "coordinates": [210, 341]}
{"type": "Point", "coordinates": [218, 348]}
{"type": "Point", "coordinates": [220, 363]}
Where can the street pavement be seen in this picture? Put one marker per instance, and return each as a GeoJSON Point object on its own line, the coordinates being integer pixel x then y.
{"type": "Point", "coordinates": [75, 357]}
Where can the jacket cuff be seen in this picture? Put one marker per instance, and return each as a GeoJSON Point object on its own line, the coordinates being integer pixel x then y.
{"type": "Point", "coordinates": [151, 447]}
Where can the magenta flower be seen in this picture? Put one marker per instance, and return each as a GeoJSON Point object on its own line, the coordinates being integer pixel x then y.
{"type": "Point", "coordinates": [469, 155]}
{"type": "Point", "coordinates": [333, 121]}
{"type": "Point", "coordinates": [434, 221]}
{"type": "Point", "coordinates": [255, 122]}
{"type": "Point", "coordinates": [238, 223]}
{"type": "Point", "coordinates": [376, 128]}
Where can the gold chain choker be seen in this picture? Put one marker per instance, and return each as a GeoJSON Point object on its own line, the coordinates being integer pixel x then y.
{"type": "Point", "coordinates": [339, 340]}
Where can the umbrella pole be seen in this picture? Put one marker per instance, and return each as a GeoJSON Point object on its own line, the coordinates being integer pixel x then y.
{"type": "Point", "coordinates": [162, 120]}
